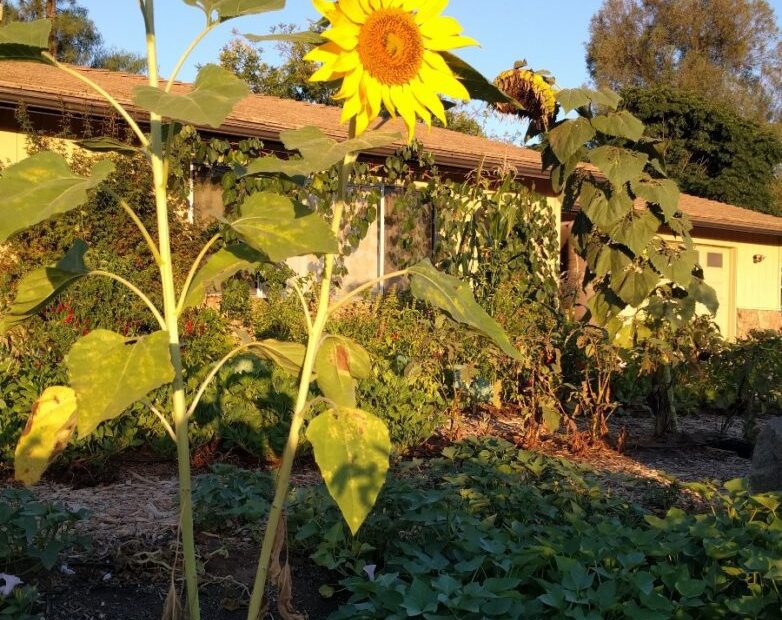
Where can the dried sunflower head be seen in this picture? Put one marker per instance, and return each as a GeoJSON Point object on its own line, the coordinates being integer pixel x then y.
{"type": "Point", "coordinates": [533, 91]}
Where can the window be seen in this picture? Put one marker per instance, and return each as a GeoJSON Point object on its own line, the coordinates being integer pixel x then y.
{"type": "Point", "coordinates": [714, 259]}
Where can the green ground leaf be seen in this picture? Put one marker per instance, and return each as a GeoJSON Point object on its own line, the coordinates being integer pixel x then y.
{"type": "Point", "coordinates": [287, 355]}
{"type": "Point", "coordinates": [634, 285]}
{"type": "Point", "coordinates": [318, 152]}
{"type": "Point", "coordinates": [279, 228]}
{"type": "Point", "coordinates": [662, 192]}
{"type": "Point", "coordinates": [215, 93]}
{"type": "Point", "coordinates": [110, 372]}
{"type": "Point", "coordinates": [620, 124]}
{"type": "Point", "coordinates": [25, 40]}
{"type": "Point", "coordinates": [48, 430]}
{"type": "Point", "coordinates": [228, 9]}
{"type": "Point", "coordinates": [455, 298]}
{"type": "Point", "coordinates": [42, 186]}
{"type": "Point", "coordinates": [635, 231]}
{"type": "Point", "coordinates": [566, 139]}
{"type": "Point", "coordinates": [604, 211]}
{"type": "Point", "coordinates": [220, 266]}
{"type": "Point", "coordinates": [352, 450]}
{"type": "Point", "coordinates": [474, 81]}
{"type": "Point", "coordinates": [617, 164]}
{"type": "Point", "coordinates": [38, 287]}
{"type": "Point", "coordinates": [339, 362]}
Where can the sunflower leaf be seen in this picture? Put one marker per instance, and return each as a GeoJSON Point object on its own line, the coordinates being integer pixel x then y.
{"type": "Point", "coordinates": [215, 93]}
{"type": "Point", "coordinates": [48, 430]}
{"type": "Point", "coordinates": [620, 124]}
{"type": "Point", "coordinates": [25, 40]}
{"type": "Point", "coordinates": [38, 287]}
{"type": "Point", "coordinates": [476, 84]}
{"type": "Point", "coordinates": [352, 449]}
{"type": "Point", "coordinates": [318, 152]}
{"type": "Point", "coordinates": [307, 36]}
{"type": "Point", "coordinates": [567, 138]}
{"type": "Point", "coordinates": [106, 144]}
{"type": "Point", "coordinates": [455, 298]}
{"type": "Point", "coordinates": [617, 164]}
{"type": "Point", "coordinates": [339, 362]}
{"type": "Point", "coordinates": [220, 266]}
{"type": "Point", "coordinates": [228, 9]}
{"type": "Point", "coordinates": [289, 356]}
{"type": "Point", "coordinates": [280, 229]}
{"type": "Point", "coordinates": [41, 186]}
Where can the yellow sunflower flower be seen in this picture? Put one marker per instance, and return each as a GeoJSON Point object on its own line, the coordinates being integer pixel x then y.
{"type": "Point", "coordinates": [387, 54]}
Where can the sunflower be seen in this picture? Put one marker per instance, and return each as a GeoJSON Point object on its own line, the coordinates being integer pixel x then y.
{"type": "Point", "coordinates": [533, 91]}
{"type": "Point", "coordinates": [387, 53]}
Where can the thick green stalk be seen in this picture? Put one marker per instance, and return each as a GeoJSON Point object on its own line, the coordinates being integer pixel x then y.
{"type": "Point", "coordinates": [284, 474]}
{"type": "Point", "coordinates": [160, 178]}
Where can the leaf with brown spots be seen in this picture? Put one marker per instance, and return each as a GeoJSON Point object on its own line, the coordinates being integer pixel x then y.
{"type": "Point", "coordinates": [340, 361]}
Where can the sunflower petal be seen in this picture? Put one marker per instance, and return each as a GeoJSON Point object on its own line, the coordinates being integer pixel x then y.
{"type": "Point", "coordinates": [353, 10]}
{"type": "Point", "coordinates": [350, 85]}
{"type": "Point", "coordinates": [345, 36]}
{"type": "Point", "coordinates": [427, 98]}
{"type": "Point", "coordinates": [444, 83]}
{"type": "Point", "coordinates": [429, 9]}
{"type": "Point", "coordinates": [441, 27]}
{"type": "Point", "coordinates": [443, 44]}
{"type": "Point", "coordinates": [404, 104]}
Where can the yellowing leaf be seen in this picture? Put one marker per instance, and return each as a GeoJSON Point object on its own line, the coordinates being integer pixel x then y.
{"type": "Point", "coordinates": [109, 373]}
{"type": "Point", "coordinates": [219, 267]}
{"type": "Point", "coordinates": [48, 430]}
{"type": "Point", "coordinates": [352, 449]}
{"type": "Point", "coordinates": [25, 40]}
{"type": "Point", "coordinates": [340, 361]}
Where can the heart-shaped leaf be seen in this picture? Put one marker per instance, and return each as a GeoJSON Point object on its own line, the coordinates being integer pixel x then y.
{"type": "Point", "coordinates": [110, 372]}
{"type": "Point", "coordinates": [620, 124]}
{"type": "Point", "coordinates": [574, 98]}
{"type": "Point", "coordinates": [339, 362]}
{"type": "Point", "coordinates": [617, 164]}
{"type": "Point", "coordinates": [567, 138]}
{"type": "Point", "coordinates": [223, 10]}
{"type": "Point", "coordinates": [220, 266]}
{"type": "Point", "coordinates": [41, 186]}
{"type": "Point", "coordinates": [662, 192]}
{"type": "Point", "coordinates": [287, 355]}
{"type": "Point", "coordinates": [215, 93]}
{"type": "Point", "coordinates": [634, 285]}
{"type": "Point", "coordinates": [455, 298]}
{"type": "Point", "coordinates": [279, 228]}
{"type": "Point", "coordinates": [635, 231]}
{"type": "Point", "coordinates": [601, 210]}
{"type": "Point", "coordinates": [352, 450]}
{"type": "Point", "coordinates": [48, 430]}
{"type": "Point", "coordinates": [38, 287]}
{"type": "Point", "coordinates": [318, 152]}
{"type": "Point", "coordinates": [25, 40]}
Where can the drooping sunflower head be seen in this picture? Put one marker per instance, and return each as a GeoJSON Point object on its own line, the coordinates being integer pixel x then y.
{"type": "Point", "coordinates": [533, 91]}
{"type": "Point", "coordinates": [387, 54]}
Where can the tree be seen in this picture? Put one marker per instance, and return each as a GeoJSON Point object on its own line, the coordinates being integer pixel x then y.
{"type": "Point", "coordinates": [290, 79]}
{"type": "Point", "coordinates": [75, 38]}
{"type": "Point", "coordinates": [728, 51]}
{"type": "Point", "coordinates": [710, 150]}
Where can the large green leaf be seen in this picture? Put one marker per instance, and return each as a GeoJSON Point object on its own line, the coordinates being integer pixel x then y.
{"type": "Point", "coordinates": [110, 372]}
{"type": "Point", "coordinates": [287, 355]}
{"type": "Point", "coordinates": [567, 138]}
{"type": "Point", "coordinates": [676, 266]}
{"type": "Point", "coordinates": [604, 259]}
{"type": "Point", "coordinates": [617, 164]}
{"type": "Point", "coordinates": [352, 450]}
{"type": "Point", "coordinates": [38, 287]}
{"type": "Point", "coordinates": [476, 84]}
{"type": "Point", "coordinates": [574, 98]}
{"type": "Point", "coordinates": [620, 124]}
{"type": "Point", "coordinates": [604, 211]}
{"type": "Point", "coordinates": [223, 10]}
{"type": "Point", "coordinates": [340, 361]}
{"type": "Point", "coordinates": [635, 231]}
{"type": "Point", "coordinates": [456, 299]}
{"type": "Point", "coordinates": [702, 293]}
{"type": "Point", "coordinates": [215, 93]}
{"type": "Point", "coordinates": [633, 285]}
{"type": "Point", "coordinates": [604, 306]}
{"type": "Point", "coordinates": [220, 266]}
{"type": "Point", "coordinates": [318, 152]}
{"type": "Point", "coordinates": [48, 430]}
{"type": "Point", "coordinates": [278, 227]}
{"type": "Point", "coordinates": [105, 144]}
{"type": "Point", "coordinates": [25, 40]}
{"type": "Point", "coordinates": [662, 192]}
{"type": "Point", "coordinates": [41, 186]}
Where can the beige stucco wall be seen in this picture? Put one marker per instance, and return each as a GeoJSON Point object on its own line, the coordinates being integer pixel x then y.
{"type": "Point", "coordinates": [12, 147]}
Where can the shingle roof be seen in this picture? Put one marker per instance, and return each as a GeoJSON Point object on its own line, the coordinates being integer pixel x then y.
{"type": "Point", "coordinates": [39, 85]}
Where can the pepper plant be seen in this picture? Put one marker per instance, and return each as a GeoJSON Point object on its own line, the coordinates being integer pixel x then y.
{"type": "Point", "coordinates": [109, 372]}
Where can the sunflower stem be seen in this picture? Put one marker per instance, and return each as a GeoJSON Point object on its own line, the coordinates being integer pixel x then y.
{"type": "Point", "coordinates": [313, 342]}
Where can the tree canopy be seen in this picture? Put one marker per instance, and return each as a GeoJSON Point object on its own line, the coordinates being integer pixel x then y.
{"type": "Point", "coordinates": [729, 51]}
{"type": "Point", "coordinates": [76, 37]}
{"type": "Point", "coordinates": [290, 78]}
{"type": "Point", "coordinates": [710, 150]}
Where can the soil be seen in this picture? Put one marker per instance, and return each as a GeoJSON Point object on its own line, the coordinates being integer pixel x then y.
{"type": "Point", "coordinates": [132, 517]}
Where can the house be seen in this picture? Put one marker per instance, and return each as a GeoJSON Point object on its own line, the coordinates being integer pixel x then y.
{"type": "Point", "coordinates": [741, 250]}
